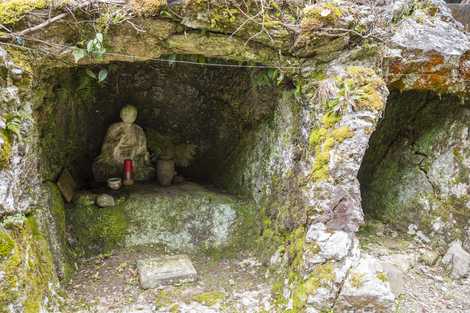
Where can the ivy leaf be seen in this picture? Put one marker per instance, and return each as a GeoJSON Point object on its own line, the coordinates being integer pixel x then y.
{"type": "Point", "coordinates": [78, 54]}
{"type": "Point", "coordinates": [90, 46]}
{"type": "Point", "coordinates": [99, 37]}
{"type": "Point", "coordinates": [102, 75]}
{"type": "Point", "coordinates": [90, 73]}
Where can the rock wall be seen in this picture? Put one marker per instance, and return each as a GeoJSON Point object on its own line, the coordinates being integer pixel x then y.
{"type": "Point", "coordinates": [30, 243]}
{"type": "Point", "coordinates": [417, 175]}
{"type": "Point", "coordinates": [301, 166]}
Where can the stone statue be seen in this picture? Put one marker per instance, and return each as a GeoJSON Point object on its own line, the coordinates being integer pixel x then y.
{"type": "Point", "coordinates": [124, 140]}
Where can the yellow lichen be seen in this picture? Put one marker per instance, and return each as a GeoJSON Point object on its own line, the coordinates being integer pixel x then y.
{"type": "Point", "coordinates": [382, 276]}
{"type": "Point", "coordinates": [5, 150]}
{"type": "Point", "coordinates": [12, 11]}
{"type": "Point", "coordinates": [357, 280]}
{"type": "Point", "coordinates": [342, 133]}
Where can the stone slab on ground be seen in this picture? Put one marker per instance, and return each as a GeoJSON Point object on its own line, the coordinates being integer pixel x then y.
{"type": "Point", "coordinates": [165, 270]}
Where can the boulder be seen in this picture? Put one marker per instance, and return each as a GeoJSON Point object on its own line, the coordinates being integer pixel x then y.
{"type": "Point", "coordinates": [367, 288]}
{"type": "Point", "coordinates": [457, 260]}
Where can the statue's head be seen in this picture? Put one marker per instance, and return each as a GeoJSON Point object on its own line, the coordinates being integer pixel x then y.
{"type": "Point", "coordinates": [129, 114]}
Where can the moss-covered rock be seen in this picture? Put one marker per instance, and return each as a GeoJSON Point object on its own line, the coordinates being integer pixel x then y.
{"type": "Point", "coordinates": [13, 11]}
{"type": "Point", "coordinates": [98, 229]}
{"type": "Point", "coordinates": [27, 266]}
{"type": "Point", "coordinates": [419, 175]}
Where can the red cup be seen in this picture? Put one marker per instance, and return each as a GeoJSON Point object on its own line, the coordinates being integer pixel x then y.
{"type": "Point", "coordinates": [128, 172]}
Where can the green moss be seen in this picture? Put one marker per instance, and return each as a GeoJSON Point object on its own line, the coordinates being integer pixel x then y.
{"type": "Point", "coordinates": [330, 119]}
{"type": "Point", "coordinates": [209, 298]}
{"type": "Point", "coordinates": [5, 150]}
{"type": "Point", "coordinates": [12, 11]}
{"type": "Point", "coordinates": [98, 229]}
{"type": "Point", "coordinates": [321, 15]}
{"type": "Point", "coordinates": [6, 244]}
{"type": "Point", "coordinates": [148, 7]}
{"type": "Point", "coordinates": [322, 274]}
{"type": "Point", "coordinates": [28, 269]}
{"type": "Point", "coordinates": [322, 140]}
{"type": "Point", "coordinates": [57, 207]}
{"type": "Point", "coordinates": [163, 298]}
{"type": "Point", "coordinates": [363, 85]}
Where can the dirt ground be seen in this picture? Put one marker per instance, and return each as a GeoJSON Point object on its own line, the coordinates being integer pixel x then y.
{"type": "Point", "coordinates": [109, 283]}
{"type": "Point", "coordinates": [425, 288]}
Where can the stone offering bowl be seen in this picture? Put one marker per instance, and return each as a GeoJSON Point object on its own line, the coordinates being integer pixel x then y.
{"type": "Point", "coordinates": [115, 183]}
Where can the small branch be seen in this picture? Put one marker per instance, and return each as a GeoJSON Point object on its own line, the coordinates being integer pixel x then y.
{"type": "Point", "coordinates": [5, 28]}
{"type": "Point", "coordinates": [44, 24]}
{"type": "Point", "coordinates": [138, 29]}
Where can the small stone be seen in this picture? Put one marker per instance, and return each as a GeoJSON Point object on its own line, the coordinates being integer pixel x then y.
{"type": "Point", "coordinates": [165, 270]}
{"type": "Point", "coordinates": [429, 257]}
{"type": "Point", "coordinates": [367, 288]}
{"type": "Point", "coordinates": [457, 260]}
{"type": "Point", "coordinates": [105, 200]}
{"type": "Point", "coordinates": [66, 185]}
{"type": "Point", "coordinates": [396, 277]}
{"type": "Point", "coordinates": [412, 228]}
{"type": "Point", "coordinates": [422, 237]}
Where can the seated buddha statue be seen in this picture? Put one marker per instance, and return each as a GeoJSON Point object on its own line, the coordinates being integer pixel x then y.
{"type": "Point", "coordinates": [124, 140]}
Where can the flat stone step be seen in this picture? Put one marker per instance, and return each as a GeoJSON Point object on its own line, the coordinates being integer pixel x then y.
{"type": "Point", "coordinates": [165, 270]}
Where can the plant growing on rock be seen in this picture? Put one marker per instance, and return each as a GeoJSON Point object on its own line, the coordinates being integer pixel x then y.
{"type": "Point", "coordinates": [164, 148]}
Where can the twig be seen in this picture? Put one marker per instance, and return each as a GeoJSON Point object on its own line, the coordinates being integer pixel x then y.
{"type": "Point", "coordinates": [138, 29]}
{"type": "Point", "coordinates": [44, 24]}
{"type": "Point", "coordinates": [5, 28]}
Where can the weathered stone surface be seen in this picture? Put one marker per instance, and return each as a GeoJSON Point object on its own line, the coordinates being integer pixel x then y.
{"type": "Point", "coordinates": [424, 183]}
{"type": "Point", "coordinates": [165, 270]}
{"type": "Point", "coordinates": [457, 260]}
{"type": "Point", "coordinates": [366, 288]}
{"type": "Point", "coordinates": [104, 200]}
{"type": "Point", "coordinates": [183, 217]}
{"type": "Point", "coordinates": [301, 164]}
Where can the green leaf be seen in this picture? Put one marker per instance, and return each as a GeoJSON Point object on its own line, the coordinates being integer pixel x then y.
{"type": "Point", "coordinates": [90, 46]}
{"type": "Point", "coordinates": [102, 75]}
{"type": "Point", "coordinates": [90, 73]}
{"type": "Point", "coordinates": [78, 54]}
{"type": "Point", "coordinates": [171, 60]}
{"type": "Point", "coordinates": [99, 37]}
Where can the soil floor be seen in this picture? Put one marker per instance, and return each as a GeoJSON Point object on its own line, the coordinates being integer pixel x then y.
{"type": "Point", "coordinates": [424, 288]}
{"type": "Point", "coordinates": [110, 284]}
